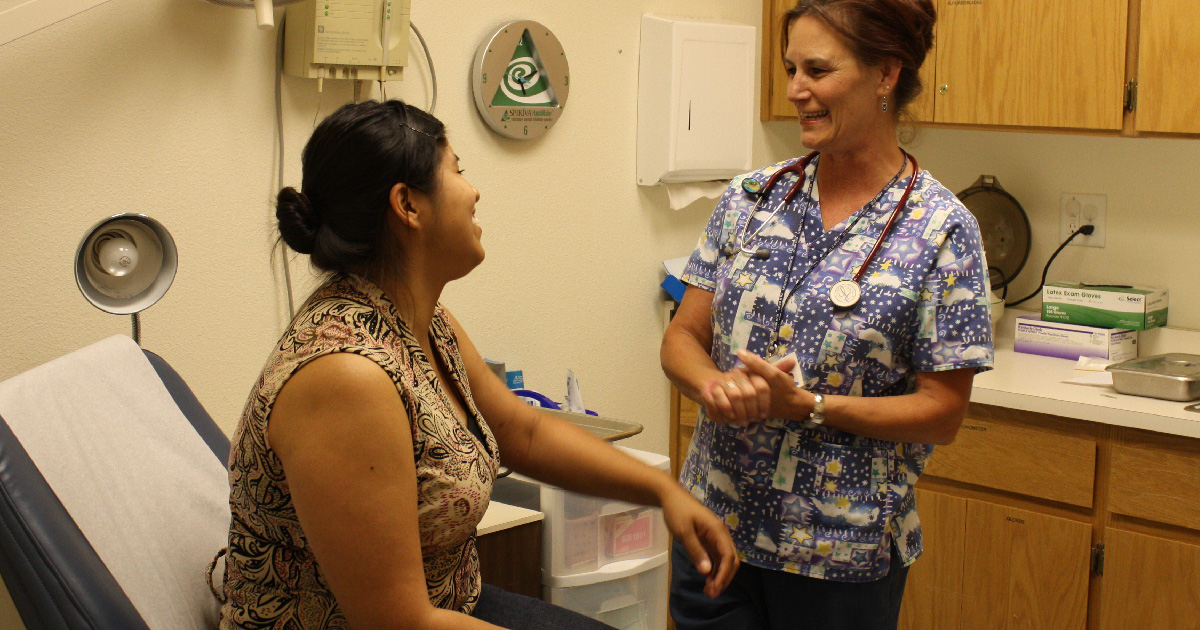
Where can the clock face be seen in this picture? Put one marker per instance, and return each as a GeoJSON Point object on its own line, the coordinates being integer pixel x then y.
{"type": "Point", "coordinates": [520, 80]}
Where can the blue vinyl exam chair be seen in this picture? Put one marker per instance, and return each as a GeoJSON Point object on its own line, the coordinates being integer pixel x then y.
{"type": "Point", "coordinates": [113, 494]}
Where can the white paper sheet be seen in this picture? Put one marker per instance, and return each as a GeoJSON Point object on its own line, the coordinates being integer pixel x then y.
{"type": "Point", "coordinates": [1102, 379]}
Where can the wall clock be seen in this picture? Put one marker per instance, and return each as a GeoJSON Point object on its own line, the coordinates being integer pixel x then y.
{"type": "Point", "coordinates": [520, 80]}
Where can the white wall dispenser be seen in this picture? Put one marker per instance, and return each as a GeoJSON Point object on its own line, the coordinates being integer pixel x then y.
{"type": "Point", "coordinates": [696, 82]}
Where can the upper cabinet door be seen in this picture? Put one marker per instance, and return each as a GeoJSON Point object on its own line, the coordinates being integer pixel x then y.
{"type": "Point", "coordinates": [921, 108]}
{"type": "Point", "coordinates": [1168, 48]}
{"type": "Point", "coordinates": [776, 106]}
{"type": "Point", "coordinates": [1031, 63]}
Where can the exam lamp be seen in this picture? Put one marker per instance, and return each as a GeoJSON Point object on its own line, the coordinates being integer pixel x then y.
{"type": "Point", "coordinates": [124, 264]}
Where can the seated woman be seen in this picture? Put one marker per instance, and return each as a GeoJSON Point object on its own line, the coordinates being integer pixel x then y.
{"type": "Point", "coordinates": [367, 451]}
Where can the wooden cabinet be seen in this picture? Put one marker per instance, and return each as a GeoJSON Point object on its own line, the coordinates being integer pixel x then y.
{"type": "Point", "coordinates": [1168, 98]}
{"type": "Point", "coordinates": [1058, 524]}
{"type": "Point", "coordinates": [1007, 544]}
{"type": "Point", "coordinates": [933, 594]}
{"type": "Point", "coordinates": [775, 105]}
{"type": "Point", "coordinates": [684, 412]}
{"type": "Point", "coordinates": [1038, 522]}
{"type": "Point", "coordinates": [993, 567]}
{"type": "Point", "coordinates": [1032, 64]}
{"type": "Point", "coordinates": [512, 559]}
{"type": "Point", "coordinates": [1149, 582]}
{"type": "Point", "coordinates": [1024, 569]}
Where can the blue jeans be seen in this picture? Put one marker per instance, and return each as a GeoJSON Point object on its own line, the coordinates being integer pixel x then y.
{"type": "Point", "coordinates": [764, 599]}
{"type": "Point", "coordinates": [518, 612]}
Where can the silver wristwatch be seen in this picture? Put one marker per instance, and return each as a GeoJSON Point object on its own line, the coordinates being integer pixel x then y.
{"type": "Point", "coordinates": [818, 412]}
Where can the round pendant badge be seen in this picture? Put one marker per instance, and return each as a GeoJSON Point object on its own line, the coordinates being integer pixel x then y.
{"type": "Point", "coordinates": [845, 293]}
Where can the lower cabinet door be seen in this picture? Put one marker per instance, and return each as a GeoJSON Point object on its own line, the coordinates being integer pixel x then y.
{"type": "Point", "coordinates": [1149, 582]}
{"type": "Point", "coordinates": [1024, 570]}
{"type": "Point", "coordinates": [933, 593]}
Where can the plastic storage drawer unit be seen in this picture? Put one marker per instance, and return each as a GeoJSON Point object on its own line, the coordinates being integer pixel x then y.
{"type": "Point", "coordinates": [628, 595]}
{"type": "Point", "coordinates": [606, 559]}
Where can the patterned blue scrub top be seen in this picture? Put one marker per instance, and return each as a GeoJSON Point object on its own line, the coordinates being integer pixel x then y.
{"type": "Point", "coordinates": [818, 501]}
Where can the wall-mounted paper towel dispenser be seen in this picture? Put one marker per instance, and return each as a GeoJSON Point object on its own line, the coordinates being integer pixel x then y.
{"type": "Point", "coordinates": [695, 100]}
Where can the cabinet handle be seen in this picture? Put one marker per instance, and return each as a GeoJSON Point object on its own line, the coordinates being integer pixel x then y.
{"type": "Point", "coordinates": [945, 88]}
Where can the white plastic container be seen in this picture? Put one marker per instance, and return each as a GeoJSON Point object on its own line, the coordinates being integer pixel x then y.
{"type": "Point", "coordinates": [601, 558]}
{"type": "Point", "coordinates": [629, 595]}
{"type": "Point", "coordinates": [582, 534]}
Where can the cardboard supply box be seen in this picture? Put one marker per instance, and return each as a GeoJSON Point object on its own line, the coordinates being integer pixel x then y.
{"type": "Point", "coordinates": [1132, 308]}
{"type": "Point", "coordinates": [1071, 341]}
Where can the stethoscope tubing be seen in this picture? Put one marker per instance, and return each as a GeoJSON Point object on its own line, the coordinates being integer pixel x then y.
{"type": "Point", "coordinates": [799, 167]}
{"type": "Point", "coordinates": [891, 220]}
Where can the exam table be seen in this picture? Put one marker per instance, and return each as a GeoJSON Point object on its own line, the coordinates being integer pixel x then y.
{"type": "Point", "coordinates": [114, 496]}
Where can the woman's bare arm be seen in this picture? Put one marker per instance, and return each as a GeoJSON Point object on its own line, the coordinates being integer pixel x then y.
{"type": "Point", "coordinates": [556, 451]}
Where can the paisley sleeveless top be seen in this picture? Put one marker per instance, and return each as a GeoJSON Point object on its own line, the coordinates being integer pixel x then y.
{"type": "Point", "coordinates": [271, 577]}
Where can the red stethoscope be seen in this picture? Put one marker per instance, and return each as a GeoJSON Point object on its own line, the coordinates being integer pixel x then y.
{"type": "Point", "coordinates": [847, 292]}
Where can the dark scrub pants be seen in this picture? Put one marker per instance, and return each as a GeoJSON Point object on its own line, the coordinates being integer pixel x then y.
{"type": "Point", "coordinates": [764, 599]}
{"type": "Point", "coordinates": [518, 612]}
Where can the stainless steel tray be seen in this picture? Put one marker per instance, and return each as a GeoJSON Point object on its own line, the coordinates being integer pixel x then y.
{"type": "Point", "coordinates": [1172, 376]}
{"type": "Point", "coordinates": [609, 429]}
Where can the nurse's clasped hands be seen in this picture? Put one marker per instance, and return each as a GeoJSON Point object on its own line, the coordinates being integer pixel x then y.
{"type": "Point", "coordinates": [746, 394]}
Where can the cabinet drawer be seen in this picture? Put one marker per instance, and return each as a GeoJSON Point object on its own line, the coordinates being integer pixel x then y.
{"type": "Point", "coordinates": [1156, 483]}
{"type": "Point", "coordinates": [997, 453]}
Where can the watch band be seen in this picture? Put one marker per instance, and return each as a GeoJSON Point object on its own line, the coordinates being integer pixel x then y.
{"type": "Point", "coordinates": [818, 412]}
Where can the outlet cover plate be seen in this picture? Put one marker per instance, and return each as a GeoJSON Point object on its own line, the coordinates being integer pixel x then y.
{"type": "Point", "coordinates": [1076, 209]}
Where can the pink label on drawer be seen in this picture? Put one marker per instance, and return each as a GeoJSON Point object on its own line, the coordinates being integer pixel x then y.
{"type": "Point", "coordinates": [630, 534]}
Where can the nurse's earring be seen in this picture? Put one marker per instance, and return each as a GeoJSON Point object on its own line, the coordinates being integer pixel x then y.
{"type": "Point", "coordinates": [886, 87]}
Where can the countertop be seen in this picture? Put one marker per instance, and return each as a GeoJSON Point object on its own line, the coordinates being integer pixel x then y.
{"type": "Point", "coordinates": [500, 516]}
{"type": "Point", "coordinates": [1032, 382]}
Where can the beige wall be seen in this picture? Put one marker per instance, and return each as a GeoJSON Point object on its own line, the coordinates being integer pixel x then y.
{"type": "Point", "coordinates": [1150, 184]}
{"type": "Point", "coordinates": [166, 107]}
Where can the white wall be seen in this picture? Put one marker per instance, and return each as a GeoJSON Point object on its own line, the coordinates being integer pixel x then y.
{"type": "Point", "coordinates": [1150, 186]}
{"type": "Point", "coordinates": [166, 107]}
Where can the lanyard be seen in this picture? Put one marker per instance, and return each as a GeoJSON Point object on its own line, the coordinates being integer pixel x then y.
{"type": "Point", "coordinates": [841, 296]}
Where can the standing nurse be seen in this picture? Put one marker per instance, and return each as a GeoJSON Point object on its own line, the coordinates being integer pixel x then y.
{"type": "Point", "coordinates": [822, 403]}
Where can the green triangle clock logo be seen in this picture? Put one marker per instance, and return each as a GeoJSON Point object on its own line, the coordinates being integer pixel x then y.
{"type": "Point", "coordinates": [525, 81]}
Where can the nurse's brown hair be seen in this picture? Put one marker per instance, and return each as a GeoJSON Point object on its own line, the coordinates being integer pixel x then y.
{"type": "Point", "coordinates": [877, 31]}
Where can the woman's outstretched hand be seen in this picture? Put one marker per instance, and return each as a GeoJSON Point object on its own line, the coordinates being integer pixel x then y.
{"type": "Point", "coordinates": [704, 536]}
{"type": "Point", "coordinates": [748, 394]}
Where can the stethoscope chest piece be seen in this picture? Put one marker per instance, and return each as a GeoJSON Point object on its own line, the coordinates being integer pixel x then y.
{"type": "Point", "coordinates": [845, 294]}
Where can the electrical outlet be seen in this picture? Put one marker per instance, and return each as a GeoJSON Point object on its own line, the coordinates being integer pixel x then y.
{"type": "Point", "coordinates": [1077, 210]}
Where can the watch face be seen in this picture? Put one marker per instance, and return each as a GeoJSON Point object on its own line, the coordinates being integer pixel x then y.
{"type": "Point", "coordinates": [520, 80]}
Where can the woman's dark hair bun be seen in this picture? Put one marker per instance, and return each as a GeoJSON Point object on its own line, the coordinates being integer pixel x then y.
{"type": "Point", "coordinates": [299, 222]}
{"type": "Point", "coordinates": [350, 165]}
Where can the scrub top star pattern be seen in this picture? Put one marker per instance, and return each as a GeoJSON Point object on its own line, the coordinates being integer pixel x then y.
{"type": "Point", "coordinates": [815, 500]}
